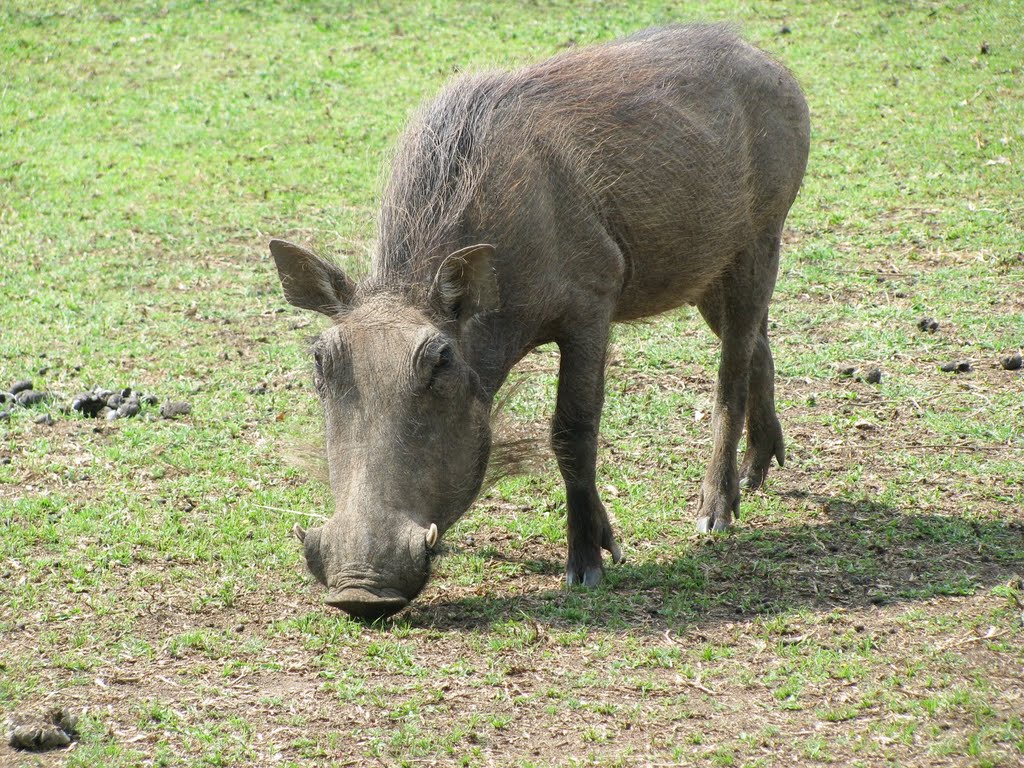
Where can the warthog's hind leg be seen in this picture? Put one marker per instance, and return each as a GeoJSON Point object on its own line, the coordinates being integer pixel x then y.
{"type": "Point", "coordinates": [737, 311]}
{"type": "Point", "coordinates": [764, 433]}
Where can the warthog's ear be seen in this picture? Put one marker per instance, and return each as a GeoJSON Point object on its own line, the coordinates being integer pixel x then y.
{"type": "Point", "coordinates": [310, 282]}
{"type": "Point", "coordinates": [465, 283]}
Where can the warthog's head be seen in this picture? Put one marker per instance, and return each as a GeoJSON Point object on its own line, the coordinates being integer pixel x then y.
{"type": "Point", "coordinates": [408, 433]}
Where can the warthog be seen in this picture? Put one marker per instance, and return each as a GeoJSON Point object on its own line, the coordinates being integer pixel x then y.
{"type": "Point", "coordinates": [541, 205]}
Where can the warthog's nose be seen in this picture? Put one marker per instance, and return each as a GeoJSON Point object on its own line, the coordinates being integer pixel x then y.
{"type": "Point", "coordinates": [367, 605]}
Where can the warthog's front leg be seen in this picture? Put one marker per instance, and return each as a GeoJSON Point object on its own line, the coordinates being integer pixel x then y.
{"type": "Point", "coordinates": [574, 439]}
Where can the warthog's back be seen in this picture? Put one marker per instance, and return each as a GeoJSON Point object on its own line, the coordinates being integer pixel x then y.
{"type": "Point", "coordinates": [676, 145]}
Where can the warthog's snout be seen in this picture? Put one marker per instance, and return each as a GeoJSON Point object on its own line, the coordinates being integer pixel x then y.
{"type": "Point", "coordinates": [366, 604]}
{"type": "Point", "coordinates": [365, 591]}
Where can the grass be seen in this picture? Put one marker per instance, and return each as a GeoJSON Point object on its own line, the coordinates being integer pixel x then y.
{"type": "Point", "coordinates": [867, 610]}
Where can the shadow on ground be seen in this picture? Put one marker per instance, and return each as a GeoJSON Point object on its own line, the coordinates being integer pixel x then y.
{"type": "Point", "coordinates": [858, 553]}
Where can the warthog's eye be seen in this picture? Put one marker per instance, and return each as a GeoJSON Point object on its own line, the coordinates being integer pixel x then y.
{"type": "Point", "coordinates": [436, 362]}
{"type": "Point", "coordinates": [445, 379]}
{"type": "Point", "coordinates": [444, 358]}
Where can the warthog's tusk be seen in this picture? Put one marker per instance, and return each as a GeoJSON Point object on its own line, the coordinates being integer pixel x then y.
{"type": "Point", "coordinates": [299, 531]}
{"type": "Point", "coordinates": [432, 536]}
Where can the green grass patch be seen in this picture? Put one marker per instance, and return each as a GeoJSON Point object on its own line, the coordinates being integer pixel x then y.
{"type": "Point", "coordinates": [866, 610]}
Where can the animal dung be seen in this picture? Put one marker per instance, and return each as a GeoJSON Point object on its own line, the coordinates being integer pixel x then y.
{"type": "Point", "coordinates": [20, 386]}
{"type": "Point", "coordinates": [100, 403]}
{"type": "Point", "coordinates": [869, 375]}
{"type": "Point", "coordinates": [55, 728]}
{"type": "Point", "coordinates": [172, 410]}
{"type": "Point", "coordinates": [28, 397]}
{"type": "Point", "coordinates": [1012, 362]}
{"type": "Point", "coordinates": [97, 403]}
{"type": "Point", "coordinates": [958, 367]}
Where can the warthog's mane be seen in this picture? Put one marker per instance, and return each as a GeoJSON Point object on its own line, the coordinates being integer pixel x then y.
{"type": "Point", "coordinates": [470, 155]}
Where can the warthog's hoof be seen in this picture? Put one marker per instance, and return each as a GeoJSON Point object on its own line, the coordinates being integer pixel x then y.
{"type": "Point", "coordinates": [589, 574]}
{"type": "Point", "coordinates": [705, 525]}
{"type": "Point", "coordinates": [758, 458]}
{"type": "Point", "coordinates": [752, 480]}
{"type": "Point", "coordinates": [715, 512]}
{"type": "Point", "coordinates": [616, 552]}
{"type": "Point", "coordinates": [588, 577]}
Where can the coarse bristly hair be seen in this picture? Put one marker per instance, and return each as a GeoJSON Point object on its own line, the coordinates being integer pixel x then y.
{"type": "Point", "coordinates": [567, 109]}
{"type": "Point", "coordinates": [513, 450]}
